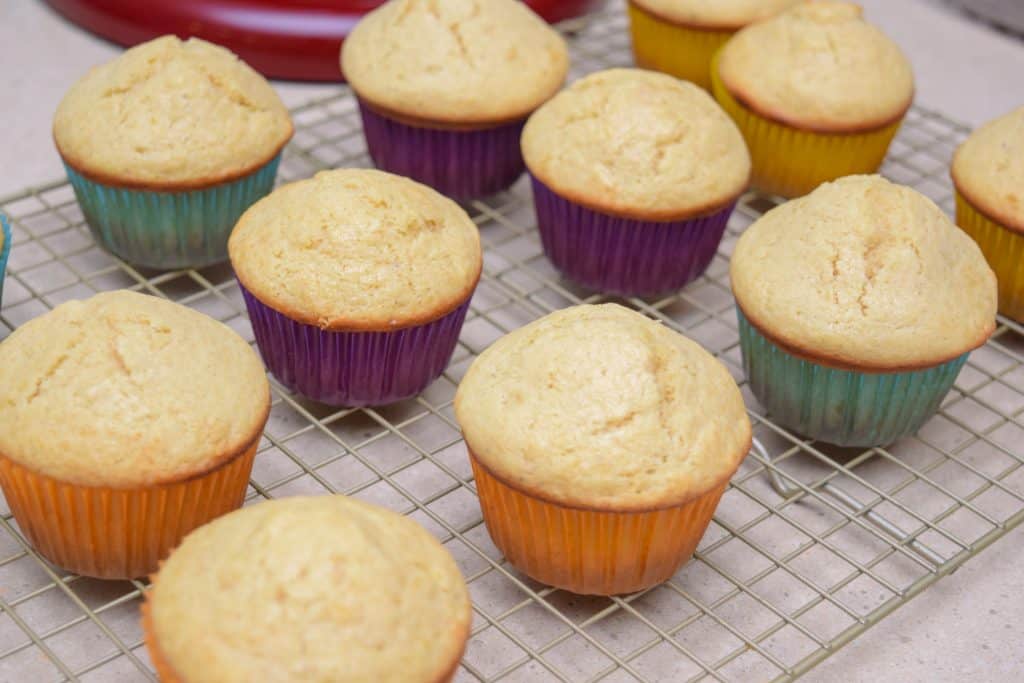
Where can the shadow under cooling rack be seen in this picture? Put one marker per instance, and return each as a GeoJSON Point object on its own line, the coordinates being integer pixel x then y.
{"type": "Point", "coordinates": [811, 544]}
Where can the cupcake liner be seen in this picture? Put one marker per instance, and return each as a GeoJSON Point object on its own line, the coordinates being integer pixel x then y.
{"type": "Point", "coordinates": [792, 162]}
{"type": "Point", "coordinates": [5, 251]}
{"type": "Point", "coordinates": [118, 533]}
{"type": "Point", "coordinates": [164, 672]}
{"type": "Point", "coordinates": [842, 407]}
{"type": "Point", "coordinates": [187, 229]}
{"type": "Point", "coordinates": [353, 368]}
{"type": "Point", "coordinates": [623, 255]}
{"type": "Point", "coordinates": [591, 552]}
{"type": "Point", "coordinates": [462, 164]}
{"type": "Point", "coordinates": [1003, 249]}
{"type": "Point", "coordinates": [681, 51]}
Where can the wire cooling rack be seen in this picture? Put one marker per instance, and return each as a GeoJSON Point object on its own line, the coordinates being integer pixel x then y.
{"type": "Point", "coordinates": [811, 545]}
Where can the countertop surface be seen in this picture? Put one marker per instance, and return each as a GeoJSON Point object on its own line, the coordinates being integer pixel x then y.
{"type": "Point", "coordinates": [965, 628]}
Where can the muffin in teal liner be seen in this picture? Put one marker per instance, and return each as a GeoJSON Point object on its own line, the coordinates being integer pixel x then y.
{"type": "Point", "coordinates": [858, 306]}
{"type": "Point", "coordinates": [167, 146]}
{"type": "Point", "coordinates": [5, 249]}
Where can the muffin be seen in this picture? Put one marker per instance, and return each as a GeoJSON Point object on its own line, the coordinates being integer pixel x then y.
{"type": "Point", "coordinates": [5, 249]}
{"type": "Point", "coordinates": [600, 477]}
{"type": "Point", "coordinates": [858, 305]}
{"type": "Point", "coordinates": [635, 175]}
{"type": "Point", "coordinates": [166, 146]}
{"type": "Point", "coordinates": [125, 422]}
{"type": "Point", "coordinates": [988, 172]}
{"type": "Point", "coordinates": [357, 284]}
{"type": "Point", "coordinates": [818, 92]}
{"type": "Point", "coordinates": [680, 37]}
{"type": "Point", "coordinates": [445, 88]}
{"type": "Point", "coordinates": [311, 589]}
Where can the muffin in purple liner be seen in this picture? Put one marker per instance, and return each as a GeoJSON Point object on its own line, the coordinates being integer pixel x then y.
{"type": "Point", "coordinates": [462, 164]}
{"type": "Point", "coordinates": [635, 175]}
{"type": "Point", "coordinates": [357, 283]}
{"type": "Point", "coordinates": [445, 88]}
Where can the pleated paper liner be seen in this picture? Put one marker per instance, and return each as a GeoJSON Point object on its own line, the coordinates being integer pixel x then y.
{"type": "Point", "coordinates": [118, 533]}
{"type": "Point", "coordinates": [625, 256]}
{"type": "Point", "coordinates": [461, 164]}
{"type": "Point", "coordinates": [678, 50]}
{"type": "Point", "coordinates": [187, 229]}
{"type": "Point", "coordinates": [1003, 249]}
{"type": "Point", "coordinates": [591, 552]}
{"type": "Point", "coordinates": [841, 407]}
{"type": "Point", "coordinates": [5, 250]}
{"type": "Point", "coordinates": [353, 368]}
{"type": "Point", "coordinates": [792, 162]}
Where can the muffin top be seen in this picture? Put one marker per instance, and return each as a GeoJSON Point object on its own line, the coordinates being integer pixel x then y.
{"type": "Point", "coordinates": [818, 66]}
{"type": "Point", "coordinates": [314, 589]}
{"type": "Point", "coordinates": [354, 249]}
{"type": "Point", "coordinates": [637, 143]}
{"type": "Point", "coordinates": [725, 15]}
{"type": "Point", "coordinates": [867, 274]}
{"type": "Point", "coordinates": [456, 62]}
{"type": "Point", "coordinates": [169, 114]}
{"type": "Point", "coordinates": [125, 390]}
{"type": "Point", "coordinates": [988, 169]}
{"type": "Point", "coordinates": [601, 407]}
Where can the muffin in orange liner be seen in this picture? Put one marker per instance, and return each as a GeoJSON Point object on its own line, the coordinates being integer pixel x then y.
{"type": "Point", "coordinates": [308, 589]}
{"type": "Point", "coordinates": [988, 172]}
{"type": "Point", "coordinates": [125, 422]}
{"type": "Point", "coordinates": [601, 442]}
{"type": "Point", "coordinates": [818, 92]}
{"type": "Point", "coordinates": [679, 37]}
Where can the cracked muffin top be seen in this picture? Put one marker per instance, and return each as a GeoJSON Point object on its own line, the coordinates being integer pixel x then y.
{"type": "Point", "coordinates": [171, 114]}
{"type": "Point", "coordinates": [818, 66]}
{"type": "Point", "coordinates": [356, 249]}
{"type": "Point", "coordinates": [639, 144]}
{"type": "Point", "coordinates": [721, 15]}
{"type": "Point", "coordinates": [601, 407]}
{"type": "Point", "coordinates": [867, 274]}
{"type": "Point", "coordinates": [321, 589]}
{"type": "Point", "coordinates": [125, 390]}
{"type": "Point", "coordinates": [988, 169]}
{"type": "Point", "coordinates": [454, 62]}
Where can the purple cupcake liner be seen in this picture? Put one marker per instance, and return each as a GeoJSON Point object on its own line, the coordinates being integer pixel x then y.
{"type": "Point", "coordinates": [462, 164]}
{"type": "Point", "coordinates": [353, 368]}
{"type": "Point", "coordinates": [622, 255]}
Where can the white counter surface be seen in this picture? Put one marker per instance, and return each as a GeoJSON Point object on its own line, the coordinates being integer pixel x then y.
{"type": "Point", "coordinates": [965, 628]}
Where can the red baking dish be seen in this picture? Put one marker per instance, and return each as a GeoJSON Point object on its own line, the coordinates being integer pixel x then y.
{"type": "Point", "coordinates": [296, 39]}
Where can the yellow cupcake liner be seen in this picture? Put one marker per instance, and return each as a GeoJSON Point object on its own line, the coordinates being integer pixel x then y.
{"type": "Point", "coordinates": [1003, 249]}
{"type": "Point", "coordinates": [118, 533]}
{"type": "Point", "coordinates": [681, 51]}
{"type": "Point", "coordinates": [792, 162]}
{"type": "Point", "coordinates": [591, 552]}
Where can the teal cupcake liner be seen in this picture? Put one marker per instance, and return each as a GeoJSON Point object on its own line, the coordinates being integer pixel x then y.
{"type": "Point", "coordinates": [187, 229]}
{"type": "Point", "coordinates": [842, 407]}
{"type": "Point", "coordinates": [5, 252]}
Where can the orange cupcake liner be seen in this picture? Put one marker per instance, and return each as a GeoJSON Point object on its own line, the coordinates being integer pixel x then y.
{"type": "Point", "coordinates": [681, 51]}
{"type": "Point", "coordinates": [791, 162]}
{"type": "Point", "coordinates": [1003, 249]}
{"type": "Point", "coordinates": [591, 552]}
{"type": "Point", "coordinates": [112, 533]}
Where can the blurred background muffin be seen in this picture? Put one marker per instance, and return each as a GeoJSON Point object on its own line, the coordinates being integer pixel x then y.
{"type": "Point", "coordinates": [818, 92]}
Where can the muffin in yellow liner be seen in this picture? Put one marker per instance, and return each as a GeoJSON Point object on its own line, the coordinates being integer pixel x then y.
{"type": "Point", "coordinates": [818, 93]}
{"type": "Point", "coordinates": [601, 443]}
{"type": "Point", "coordinates": [308, 589]}
{"type": "Point", "coordinates": [125, 422]}
{"type": "Point", "coordinates": [988, 172]}
{"type": "Point", "coordinates": [679, 37]}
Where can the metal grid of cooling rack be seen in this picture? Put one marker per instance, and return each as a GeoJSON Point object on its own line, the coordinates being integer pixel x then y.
{"type": "Point", "coordinates": [811, 545]}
